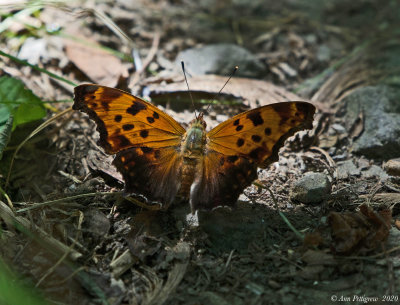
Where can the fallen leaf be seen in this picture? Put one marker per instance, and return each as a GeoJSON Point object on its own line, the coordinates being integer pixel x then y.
{"type": "Point", "coordinates": [312, 257]}
{"type": "Point", "coordinates": [256, 92]}
{"type": "Point", "coordinates": [99, 66]}
{"type": "Point", "coordinates": [359, 232]}
{"type": "Point", "coordinates": [313, 239]}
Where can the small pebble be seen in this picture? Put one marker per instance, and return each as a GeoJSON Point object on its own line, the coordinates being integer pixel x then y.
{"type": "Point", "coordinates": [392, 167]}
{"type": "Point", "coordinates": [312, 188]}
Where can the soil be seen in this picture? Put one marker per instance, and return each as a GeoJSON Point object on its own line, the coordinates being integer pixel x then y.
{"type": "Point", "coordinates": [74, 236]}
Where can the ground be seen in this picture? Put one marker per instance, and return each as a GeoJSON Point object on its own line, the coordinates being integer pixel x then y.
{"type": "Point", "coordinates": [67, 229]}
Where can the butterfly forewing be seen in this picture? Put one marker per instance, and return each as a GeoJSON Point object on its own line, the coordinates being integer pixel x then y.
{"type": "Point", "coordinates": [258, 134]}
{"type": "Point", "coordinates": [125, 121]}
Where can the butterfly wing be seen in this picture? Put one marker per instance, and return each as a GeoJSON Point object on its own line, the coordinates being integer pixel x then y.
{"type": "Point", "coordinates": [124, 120]}
{"type": "Point", "coordinates": [222, 180]}
{"type": "Point", "coordinates": [258, 134]}
{"type": "Point", "coordinates": [144, 138]}
{"type": "Point", "coordinates": [239, 145]}
{"type": "Point", "coordinates": [152, 172]}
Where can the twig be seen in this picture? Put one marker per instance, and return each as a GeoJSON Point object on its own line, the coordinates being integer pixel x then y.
{"type": "Point", "coordinates": [289, 224]}
{"type": "Point", "coordinates": [52, 268]}
{"type": "Point", "coordinates": [10, 204]}
{"type": "Point", "coordinates": [42, 204]}
{"type": "Point", "coordinates": [229, 259]}
{"type": "Point", "coordinates": [34, 67]}
{"type": "Point", "coordinates": [148, 59]}
{"type": "Point", "coordinates": [40, 236]}
{"type": "Point", "coordinates": [331, 162]}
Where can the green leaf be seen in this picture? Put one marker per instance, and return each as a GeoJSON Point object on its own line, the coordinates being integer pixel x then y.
{"type": "Point", "coordinates": [12, 290]}
{"type": "Point", "coordinates": [18, 102]}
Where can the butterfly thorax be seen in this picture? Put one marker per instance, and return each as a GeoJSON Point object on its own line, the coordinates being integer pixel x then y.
{"type": "Point", "coordinates": [195, 138]}
{"type": "Point", "coordinates": [192, 150]}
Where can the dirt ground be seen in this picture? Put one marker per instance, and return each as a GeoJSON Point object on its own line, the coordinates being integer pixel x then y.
{"type": "Point", "coordinates": [75, 237]}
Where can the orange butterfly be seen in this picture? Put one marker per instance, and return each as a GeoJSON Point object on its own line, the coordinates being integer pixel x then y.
{"type": "Point", "coordinates": [161, 160]}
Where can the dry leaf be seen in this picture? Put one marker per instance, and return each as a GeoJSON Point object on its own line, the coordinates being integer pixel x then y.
{"type": "Point", "coordinates": [359, 232]}
{"type": "Point", "coordinates": [312, 257]}
{"type": "Point", "coordinates": [100, 66]}
{"type": "Point", "coordinates": [313, 239]}
{"type": "Point", "coordinates": [256, 92]}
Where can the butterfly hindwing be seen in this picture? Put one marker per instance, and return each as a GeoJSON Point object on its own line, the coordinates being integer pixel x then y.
{"type": "Point", "coordinates": [222, 180]}
{"type": "Point", "coordinates": [125, 121]}
{"type": "Point", "coordinates": [258, 134]}
{"type": "Point", "coordinates": [152, 172]}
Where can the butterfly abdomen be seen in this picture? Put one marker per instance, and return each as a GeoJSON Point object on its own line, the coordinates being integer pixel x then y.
{"type": "Point", "coordinates": [192, 151]}
{"type": "Point", "coordinates": [189, 169]}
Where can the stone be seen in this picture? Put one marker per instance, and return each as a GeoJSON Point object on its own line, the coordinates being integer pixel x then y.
{"type": "Point", "coordinates": [380, 105]}
{"type": "Point", "coordinates": [375, 171]}
{"type": "Point", "coordinates": [220, 59]}
{"type": "Point", "coordinates": [392, 167]}
{"type": "Point", "coordinates": [96, 224]}
{"type": "Point", "coordinates": [312, 188]}
{"type": "Point", "coordinates": [346, 169]}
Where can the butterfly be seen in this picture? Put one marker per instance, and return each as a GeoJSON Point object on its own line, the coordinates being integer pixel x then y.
{"type": "Point", "coordinates": [162, 161]}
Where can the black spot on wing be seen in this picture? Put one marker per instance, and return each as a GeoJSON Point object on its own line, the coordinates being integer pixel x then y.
{"type": "Point", "coordinates": [144, 133]}
{"type": "Point", "coordinates": [239, 127]}
{"type": "Point", "coordinates": [304, 108]}
{"type": "Point", "coordinates": [122, 140]}
{"type": "Point", "coordinates": [240, 142]}
{"type": "Point", "coordinates": [267, 131]}
{"type": "Point", "coordinates": [236, 122]}
{"type": "Point", "coordinates": [109, 94]}
{"type": "Point", "coordinates": [106, 105]}
{"type": "Point", "coordinates": [155, 115]}
{"type": "Point", "coordinates": [118, 118]}
{"type": "Point", "coordinates": [256, 138]}
{"type": "Point", "coordinates": [255, 118]}
{"type": "Point", "coordinates": [150, 119]}
{"type": "Point", "coordinates": [284, 111]}
{"type": "Point", "coordinates": [87, 89]}
{"type": "Point", "coordinates": [135, 108]}
{"type": "Point", "coordinates": [128, 127]}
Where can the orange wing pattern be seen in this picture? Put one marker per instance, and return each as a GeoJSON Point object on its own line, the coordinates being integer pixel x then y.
{"type": "Point", "coordinates": [258, 134]}
{"type": "Point", "coordinates": [152, 172]}
{"type": "Point", "coordinates": [125, 121]}
{"type": "Point", "coordinates": [223, 179]}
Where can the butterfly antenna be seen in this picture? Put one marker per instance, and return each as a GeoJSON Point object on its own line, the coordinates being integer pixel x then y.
{"type": "Point", "coordinates": [187, 84]}
{"type": "Point", "coordinates": [230, 76]}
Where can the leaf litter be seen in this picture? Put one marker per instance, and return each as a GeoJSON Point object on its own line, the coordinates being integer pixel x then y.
{"type": "Point", "coordinates": [236, 256]}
